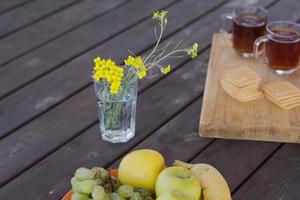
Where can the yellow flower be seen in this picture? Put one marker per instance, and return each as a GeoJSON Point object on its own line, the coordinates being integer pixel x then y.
{"type": "Point", "coordinates": [109, 71]}
{"type": "Point", "coordinates": [155, 15]}
{"type": "Point", "coordinates": [136, 62]}
{"type": "Point", "coordinates": [166, 69]}
{"type": "Point", "coordinates": [159, 14]}
{"type": "Point", "coordinates": [193, 51]}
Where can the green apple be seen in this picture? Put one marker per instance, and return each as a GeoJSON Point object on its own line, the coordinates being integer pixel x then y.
{"type": "Point", "coordinates": [178, 183]}
{"type": "Point", "coordinates": [172, 196]}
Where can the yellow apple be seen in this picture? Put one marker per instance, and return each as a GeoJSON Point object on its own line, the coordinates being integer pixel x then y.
{"type": "Point", "coordinates": [178, 180]}
{"type": "Point", "coordinates": [141, 168]}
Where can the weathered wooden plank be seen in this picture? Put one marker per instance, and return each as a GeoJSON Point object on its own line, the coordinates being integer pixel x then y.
{"type": "Point", "coordinates": [8, 5]}
{"type": "Point", "coordinates": [159, 103]}
{"type": "Point", "coordinates": [236, 159]}
{"type": "Point", "coordinates": [225, 117]}
{"type": "Point", "coordinates": [25, 68]}
{"type": "Point", "coordinates": [29, 13]}
{"type": "Point", "coordinates": [52, 126]}
{"type": "Point", "coordinates": [178, 99]}
{"type": "Point", "coordinates": [22, 132]}
{"type": "Point", "coordinates": [53, 26]}
{"type": "Point", "coordinates": [279, 178]}
{"type": "Point", "coordinates": [153, 97]}
{"type": "Point", "coordinates": [177, 139]}
{"type": "Point", "coordinates": [227, 155]}
{"type": "Point", "coordinates": [60, 83]}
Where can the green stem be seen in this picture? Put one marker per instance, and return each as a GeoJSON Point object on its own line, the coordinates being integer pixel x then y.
{"type": "Point", "coordinates": [157, 43]}
{"type": "Point", "coordinates": [167, 55]}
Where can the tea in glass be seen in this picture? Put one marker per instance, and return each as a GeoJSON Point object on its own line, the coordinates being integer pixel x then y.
{"type": "Point", "coordinates": [248, 25]}
{"type": "Point", "coordinates": [282, 49]}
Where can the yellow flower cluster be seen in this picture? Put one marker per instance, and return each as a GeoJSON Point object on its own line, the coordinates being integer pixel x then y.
{"type": "Point", "coordinates": [166, 69]}
{"type": "Point", "coordinates": [159, 14]}
{"type": "Point", "coordinates": [108, 70]}
{"type": "Point", "coordinates": [193, 51]}
{"type": "Point", "coordinates": [137, 63]}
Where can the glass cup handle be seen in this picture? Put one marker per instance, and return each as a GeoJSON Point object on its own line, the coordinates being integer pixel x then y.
{"type": "Point", "coordinates": [258, 53]}
{"type": "Point", "coordinates": [225, 17]}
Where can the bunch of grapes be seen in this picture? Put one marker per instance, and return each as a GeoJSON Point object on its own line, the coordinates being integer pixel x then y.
{"type": "Point", "coordinates": [98, 184]}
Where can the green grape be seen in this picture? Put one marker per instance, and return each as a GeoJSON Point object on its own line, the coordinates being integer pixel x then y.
{"type": "Point", "coordinates": [76, 196]}
{"type": "Point", "coordinates": [75, 185]}
{"type": "Point", "coordinates": [115, 183]}
{"type": "Point", "coordinates": [144, 192]}
{"type": "Point", "coordinates": [99, 172]}
{"type": "Point", "coordinates": [125, 191]}
{"type": "Point", "coordinates": [82, 174]}
{"type": "Point", "coordinates": [85, 187]}
{"type": "Point", "coordinates": [115, 196]}
{"type": "Point", "coordinates": [136, 196]}
{"type": "Point", "coordinates": [98, 193]}
{"type": "Point", "coordinates": [73, 181]}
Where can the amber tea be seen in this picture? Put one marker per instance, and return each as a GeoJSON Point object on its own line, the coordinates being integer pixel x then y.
{"type": "Point", "coordinates": [248, 24]}
{"type": "Point", "coordinates": [246, 29]}
{"type": "Point", "coordinates": [282, 46]}
{"type": "Point", "coordinates": [283, 51]}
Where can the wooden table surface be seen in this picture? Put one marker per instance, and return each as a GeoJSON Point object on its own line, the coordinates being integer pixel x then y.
{"type": "Point", "coordinates": [48, 117]}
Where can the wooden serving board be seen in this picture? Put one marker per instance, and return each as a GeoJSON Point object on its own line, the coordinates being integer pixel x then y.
{"type": "Point", "coordinates": [224, 117]}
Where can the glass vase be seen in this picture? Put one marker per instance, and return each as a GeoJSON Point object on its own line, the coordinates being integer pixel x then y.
{"type": "Point", "coordinates": [117, 113]}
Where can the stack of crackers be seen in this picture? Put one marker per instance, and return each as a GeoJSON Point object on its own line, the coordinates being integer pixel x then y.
{"type": "Point", "coordinates": [283, 93]}
{"type": "Point", "coordinates": [242, 83]}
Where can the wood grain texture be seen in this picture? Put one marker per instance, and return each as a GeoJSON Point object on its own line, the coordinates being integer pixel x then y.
{"type": "Point", "coordinates": [53, 128]}
{"type": "Point", "coordinates": [279, 178]}
{"type": "Point", "coordinates": [236, 159]}
{"type": "Point", "coordinates": [48, 132]}
{"type": "Point", "coordinates": [29, 13]}
{"type": "Point", "coordinates": [57, 52]}
{"type": "Point", "coordinates": [153, 110]}
{"type": "Point", "coordinates": [7, 5]}
{"type": "Point", "coordinates": [75, 75]}
{"type": "Point", "coordinates": [224, 117]}
{"type": "Point", "coordinates": [41, 32]}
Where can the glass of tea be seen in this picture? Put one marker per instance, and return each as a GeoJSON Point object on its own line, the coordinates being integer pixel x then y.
{"type": "Point", "coordinates": [248, 24]}
{"type": "Point", "coordinates": [282, 46]}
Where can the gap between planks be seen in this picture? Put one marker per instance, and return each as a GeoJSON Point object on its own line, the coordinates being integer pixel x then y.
{"type": "Point", "coordinates": [87, 85]}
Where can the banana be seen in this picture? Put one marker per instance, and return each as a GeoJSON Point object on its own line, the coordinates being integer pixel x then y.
{"type": "Point", "coordinates": [214, 186]}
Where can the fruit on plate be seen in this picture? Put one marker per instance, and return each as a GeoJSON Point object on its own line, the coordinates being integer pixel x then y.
{"type": "Point", "coordinates": [99, 184]}
{"type": "Point", "coordinates": [177, 183]}
{"type": "Point", "coordinates": [141, 168]}
{"type": "Point", "coordinates": [214, 186]}
{"type": "Point", "coordinates": [77, 196]}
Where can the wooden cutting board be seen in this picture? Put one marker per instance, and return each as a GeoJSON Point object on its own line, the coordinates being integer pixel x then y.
{"type": "Point", "coordinates": [224, 117]}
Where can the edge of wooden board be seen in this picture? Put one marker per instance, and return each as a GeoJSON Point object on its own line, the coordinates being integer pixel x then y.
{"type": "Point", "coordinates": [274, 133]}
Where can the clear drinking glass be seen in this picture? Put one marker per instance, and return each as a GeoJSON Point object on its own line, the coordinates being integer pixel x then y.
{"type": "Point", "coordinates": [117, 113]}
{"type": "Point", "coordinates": [282, 47]}
{"type": "Point", "coordinates": [248, 24]}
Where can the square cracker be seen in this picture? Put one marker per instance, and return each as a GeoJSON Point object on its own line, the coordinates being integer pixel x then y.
{"type": "Point", "coordinates": [241, 76]}
{"type": "Point", "coordinates": [284, 106]}
{"type": "Point", "coordinates": [246, 89]}
{"type": "Point", "coordinates": [283, 103]}
{"type": "Point", "coordinates": [244, 97]}
{"type": "Point", "coordinates": [281, 90]}
{"type": "Point", "coordinates": [233, 92]}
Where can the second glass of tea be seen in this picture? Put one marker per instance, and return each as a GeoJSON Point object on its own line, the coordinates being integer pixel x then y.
{"type": "Point", "coordinates": [248, 24]}
{"type": "Point", "coordinates": [282, 46]}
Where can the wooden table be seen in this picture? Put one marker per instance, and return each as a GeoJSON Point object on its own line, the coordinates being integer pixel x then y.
{"type": "Point", "coordinates": [48, 119]}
